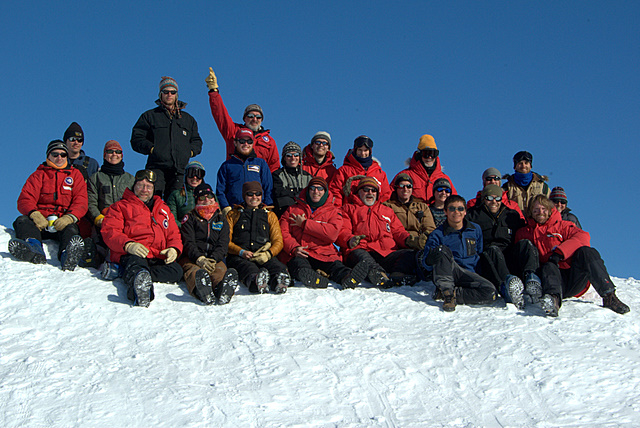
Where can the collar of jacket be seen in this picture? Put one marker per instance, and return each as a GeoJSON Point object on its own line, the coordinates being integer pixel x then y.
{"type": "Point", "coordinates": [446, 230]}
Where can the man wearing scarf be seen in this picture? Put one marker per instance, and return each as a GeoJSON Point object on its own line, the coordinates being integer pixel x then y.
{"type": "Point", "coordinates": [524, 184]}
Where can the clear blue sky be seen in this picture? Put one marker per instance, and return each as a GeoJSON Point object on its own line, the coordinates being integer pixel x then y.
{"type": "Point", "coordinates": [486, 79]}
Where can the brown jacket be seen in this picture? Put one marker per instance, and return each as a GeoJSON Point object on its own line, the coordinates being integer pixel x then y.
{"type": "Point", "coordinates": [410, 217]}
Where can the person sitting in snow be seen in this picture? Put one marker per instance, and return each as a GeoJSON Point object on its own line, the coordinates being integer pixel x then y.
{"type": "Point", "coordinates": [492, 176]}
{"type": "Point", "coordinates": [317, 157]}
{"type": "Point", "coordinates": [143, 238]}
{"type": "Point", "coordinates": [182, 201]}
{"type": "Point", "coordinates": [559, 198]}
{"type": "Point", "coordinates": [524, 184]}
{"type": "Point", "coordinates": [289, 180]}
{"type": "Point", "coordinates": [52, 200]}
{"type": "Point", "coordinates": [441, 191]}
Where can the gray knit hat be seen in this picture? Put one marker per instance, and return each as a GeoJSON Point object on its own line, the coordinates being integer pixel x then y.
{"type": "Point", "coordinates": [491, 190]}
{"type": "Point", "coordinates": [322, 135]}
{"type": "Point", "coordinates": [252, 107]}
{"type": "Point", "coordinates": [491, 172]}
{"type": "Point", "coordinates": [57, 145]}
{"type": "Point", "coordinates": [403, 176]}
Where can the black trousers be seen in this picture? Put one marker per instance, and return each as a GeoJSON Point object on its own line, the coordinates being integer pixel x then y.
{"type": "Point", "coordinates": [496, 264]}
{"type": "Point", "coordinates": [160, 272]}
{"type": "Point", "coordinates": [586, 266]}
{"type": "Point", "coordinates": [403, 261]}
{"type": "Point", "coordinates": [248, 269]}
{"type": "Point", "coordinates": [26, 228]}
{"type": "Point", "coordinates": [167, 180]}
{"type": "Point", "coordinates": [335, 269]}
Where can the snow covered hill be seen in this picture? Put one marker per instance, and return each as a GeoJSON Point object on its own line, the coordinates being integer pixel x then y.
{"type": "Point", "coordinates": [73, 352]}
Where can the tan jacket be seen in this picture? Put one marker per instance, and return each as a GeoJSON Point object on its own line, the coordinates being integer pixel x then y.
{"type": "Point", "coordinates": [522, 195]}
{"type": "Point", "coordinates": [409, 216]}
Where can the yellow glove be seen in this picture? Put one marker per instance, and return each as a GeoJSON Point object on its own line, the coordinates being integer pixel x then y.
{"type": "Point", "coordinates": [63, 222]}
{"type": "Point", "coordinates": [264, 248]}
{"type": "Point", "coordinates": [136, 249]}
{"type": "Point", "coordinates": [207, 264]}
{"type": "Point", "coordinates": [39, 220]}
{"type": "Point", "coordinates": [261, 257]}
{"type": "Point", "coordinates": [212, 80]}
{"type": "Point", "coordinates": [171, 254]}
{"type": "Point", "coordinates": [98, 220]}
{"type": "Point", "coordinates": [225, 211]}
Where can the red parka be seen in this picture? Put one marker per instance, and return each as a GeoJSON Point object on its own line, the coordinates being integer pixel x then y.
{"type": "Point", "coordinates": [383, 231]}
{"type": "Point", "coordinates": [129, 220]}
{"type": "Point", "coordinates": [265, 146]}
{"type": "Point", "coordinates": [54, 191]}
{"type": "Point", "coordinates": [351, 168]}
{"type": "Point", "coordinates": [318, 232]}
{"type": "Point", "coordinates": [325, 170]}
{"type": "Point", "coordinates": [423, 182]}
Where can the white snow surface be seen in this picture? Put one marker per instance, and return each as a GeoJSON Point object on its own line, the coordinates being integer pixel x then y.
{"type": "Point", "coordinates": [74, 352]}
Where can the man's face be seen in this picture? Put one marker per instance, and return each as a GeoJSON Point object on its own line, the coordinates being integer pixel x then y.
{"type": "Point", "coordinates": [560, 205]}
{"type": "Point", "coordinates": [253, 120]}
{"type": "Point", "coordinates": [441, 193]}
{"type": "Point", "coordinates": [244, 147]}
{"type": "Point", "coordinates": [292, 160]}
{"type": "Point", "coordinates": [253, 199]}
{"type": "Point", "coordinates": [74, 145]}
{"type": "Point", "coordinates": [429, 157]}
{"type": "Point", "coordinates": [316, 193]}
{"type": "Point", "coordinates": [493, 203]}
{"type": "Point", "coordinates": [540, 213]}
{"type": "Point", "coordinates": [58, 157]}
{"type": "Point", "coordinates": [523, 167]}
{"type": "Point", "coordinates": [368, 195]}
{"type": "Point", "coordinates": [455, 213]}
{"type": "Point", "coordinates": [404, 189]}
{"type": "Point", "coordinates": [169, 95]}
{"type": "Point", "coordinates": [143, 189]}
{"type": "Point", "coordinates": [112, 156]}
{"type": "Point", "coordinates": [320, 147]}
{"type": "Point", "coordinates": [363, 152]}
{"type": "Point", "coordinates": [491, 179]}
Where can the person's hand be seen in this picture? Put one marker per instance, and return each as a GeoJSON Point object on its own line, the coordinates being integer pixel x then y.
{"type": "Point", "coordinates": [225, 211]}
{"type": "Point", "coordinates": [413, 242]}
{"type": "Point", "coordinates": [98, 221]}
{"type": "Point", "coordinates": [136, 249]}
{"type": "Point", "coordinates": [301, 251]}
{"type": "Point", "coordinates": [298, 219]}
{"type": "Point", "coordinates": [206, 263]}
{"type": "Point", "coordinates": [211, 80]}
{"type": "Point", "coordinates": [355, 240]}
{"type": "Point", "coordinates": [63, 222]}
{"type": "Point", "coordinates": [261, 257]}
{"type": "Point", "coordinates": [171, 255]}
{"type": "Point", "coordinates": [434, 256]}
{"type": "Point", "coordinates": [247, 254]}
{"type": "Point", "coordinates": [39, 220]}
{"type": "Point", "coordinates": [422, 240]}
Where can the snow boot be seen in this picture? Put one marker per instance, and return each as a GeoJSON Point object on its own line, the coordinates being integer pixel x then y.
{"type": "Point", "coordinates": [312, 279]}
{"type": "Point", "coordinates": [259, 282]}
{"type": "Point", "coordinates": [612, 302]}
{"type": "Point", "coordinates": [356, 276]}
{"type": "Point", "coordinates": [110, 271]}
{"type": "Point", "coordinates": [225, 290]}
{"type": "Point", "coordinates": [142, 288]}
{"type": "Point", "coordinates": [550, 304]}
{"type": "Point", "coordinates": [437, 295]}
{"type": "Point", "coordinates": [512, 290]}
{"type": "Point", "coordinates": [203, 290]}
{"type": "Point", "coordinates": [282, 283]}
{"type": "Point", "coordinates": [379, 278]}
{"type": "Point", "coordinates": [72, 254]}
{"type": "Point", "coordinates": [28, 250]}
{"type": "Point", "coordinates": [400, 279]}
{"type": "Point", "coordinates": [449, 297]}
{"type": "Point", "coordinates": [90, 257]}
{"type": "Point", "coordinates": [533, 287]}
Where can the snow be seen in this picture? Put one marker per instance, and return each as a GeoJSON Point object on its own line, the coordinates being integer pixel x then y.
{"type": "Point", "coordinates": [73, 352]}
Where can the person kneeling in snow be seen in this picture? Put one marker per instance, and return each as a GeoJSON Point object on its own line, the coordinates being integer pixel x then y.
{"type": "Point", "coordinates": [54, 190]}
{"type": "Point", "coordinates": [205, 237]}
{"type": "Point", "coordinates": [143, 238]}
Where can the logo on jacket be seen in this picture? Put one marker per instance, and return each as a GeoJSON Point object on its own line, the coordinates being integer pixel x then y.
{"type": "Point", "coordinates": [216, 225]}
{"type": "Point", "coordinates": [265, 138]}
{"type": "Point", "coordinates": [184, 218]}
{"type": "Point", "coordinates": [68, 181]}
{"type": "Point", "coordinates": [253, 168]}
{"type": "Point", "coordinates": [184, 132]}
{"type": "Point", "coordinates": [165, 223]}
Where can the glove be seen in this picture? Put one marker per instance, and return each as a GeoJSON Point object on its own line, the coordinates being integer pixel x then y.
{"type": "Point", "coordinates": [264, 248]}
{"type": "Point", "coordinates": [136, 249]}
{"type": "Point", "coordinates": [98, 220]}
{"type": "Point", "coordinates": [555, 258]}
{"type": "Point", "coordinates": [207, 264]}
{"type": "Point", "coordinates": [212, 80]}
{"type": "Point", "coordinates": [413, 242]}
{"type": "Point", "coordinates": [261, 257]}
{"type": "Point", "coordinates": [355, 240]}
{"type": "Point", "coordinates": [225, 211]}
{"type": "Point", "coordinates": [171, 255]}
{"type": "Point", "coordinates": [434, 256]}
{"type": "Point", "coordinates": [422, 240]}
{"type": "Point", "coordinates": [39, 220]}
{"type": "Point", "coordinates": [63, 222]}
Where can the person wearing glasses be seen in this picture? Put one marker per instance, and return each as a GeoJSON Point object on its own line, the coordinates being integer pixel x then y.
{"type": "Point", "coordinates": [524, 184]}
{"type": "Point", "coordinates": [265, 145]}
{"type": "Point", "coordinates": [359, 161]}
{"type": "Point", "coordinates": [241, 167]}
{"type": "Point", "coordinates": [510, 266]}
{"type": "Point", "coordinates": [168, 136]}
{"type": "Point", "coordinates": [289, 180]}
{"type": "Point", "coordinates": [425, 169]}
{"type": "Point", "coordinates": [182, 201]}
{"type": "Point", "coordinates": [143, 238]}
{"type": "Point", "coordinates": [493, 176]}
{"type": "Point", "coordinates": [440, 192]}
{"type": "Point", "coordinates": [317, 157]}
{"type": "Point", "coordinates": [559, 198]}
{"type": "Point", "coordinates": [74, 138]}
{"type": "Point", "coordinates": [452, 253]}
{"type": "Point", "coordinates": [52, 200]}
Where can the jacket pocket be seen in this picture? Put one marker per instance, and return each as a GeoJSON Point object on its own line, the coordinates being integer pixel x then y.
{"type": "Point", "coordinates": [472, 247]}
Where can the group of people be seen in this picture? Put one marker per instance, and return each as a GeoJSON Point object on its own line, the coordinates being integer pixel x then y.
{"type": "Point", "coordinates": [272, 220]}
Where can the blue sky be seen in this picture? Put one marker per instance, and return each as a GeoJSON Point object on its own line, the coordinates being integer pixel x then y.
{"type": "Point", "coordinates": [486, 79]}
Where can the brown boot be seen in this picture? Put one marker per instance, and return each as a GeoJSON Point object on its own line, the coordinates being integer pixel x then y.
{"type": "Point", "coordinates": [449, 304]}
{"type": "Point", "coordinates": [612, 302]}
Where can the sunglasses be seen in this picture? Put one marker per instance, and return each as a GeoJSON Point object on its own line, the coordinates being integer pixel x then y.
{"type": "Point", "coordinates": [113, 151]}
{"type": "Point", "coordinates": [253, 194]}
{"type": "Point", "coordinates": [79, 140]}
{"type": "Point", "coordinates": [493, 198]}
{"type": "Point", "coordinates": [256, 116]}
{"type": "Point", "coordinates": [206, 196]}
{"type": "Point", "coordinates": [291, 155]}
{"type": "Point", "coordinates": [430, 153]}
{"type": "Point", "coordinates": [443, 189]}
{"type": "Point", "coordinates": [249, 142]}
{"type": "Point", "coordinates": [167, 92]}
{"type": "Point", "coordinates": [454, 209]}
{"type": "Point", "coordinates": [195, 172]}
{"type": "Point", "coordinates": [405, 186]}
{"type": "Point", "coordinates": [369, 190]}
{"type": "Point", "coordinates": [146, 174]}
{"type": "Point", "coordinates": [316, 188]}
{"type": "Point", "coordinates": [321, 143]}
{"type": "Point", "coordinates": [493, 178]}
{"type": "Point", "coordinates": [58, 154]}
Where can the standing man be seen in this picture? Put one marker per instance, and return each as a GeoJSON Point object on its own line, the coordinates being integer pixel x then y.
{"type": "Point", "coordinates": [74, 138]}
{"type": "Point", "coordinates": [169, 137]}
{"type": "Point", "coordinates": [317, 157]}
{"type": "Point", "coordinates": [253, 116]}
{"type": "Point", "coordinates": [524, 184]}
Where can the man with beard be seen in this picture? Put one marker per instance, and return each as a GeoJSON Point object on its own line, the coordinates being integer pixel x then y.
{"type": "Point", "coordinates": [493, 176]}
{"type": "Point", "coordinates": [524, 184]}
{"type": "Point", "coordinates": [265, 146]}
{"type": "Point", "coordinates": [317, 157]}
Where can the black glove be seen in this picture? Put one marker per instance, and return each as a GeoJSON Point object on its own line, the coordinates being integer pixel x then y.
{"type": "Point", "coordinates": [555, 258]}
{"type": "Point", "coordinates": [434, 256]}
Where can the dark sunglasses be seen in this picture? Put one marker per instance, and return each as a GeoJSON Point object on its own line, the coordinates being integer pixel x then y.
{"type": "Point", "coordinates": [321, 143]}
{"type": "Point", "coordinates": [253, 194]}
{"type": "Point", "coordinates": [291, 155]}
{"type": "Point", "coordinates": [251, 116]}
{"type": "Point", "coordinates": [250, 142]}
{"type": "Point", "coordinates": [316, 188]}
{"type": "Point", "coordinates": [369, 190]}
{"type": "Point", "coordinates": [167, 92]}
{"type": "Point", "coordinates": [112, 151]}
{"type": "Point", "coordinates": [493, 178]}
{"type": "Point", "coordinates": [363, 140]}
{"type": "Point", "coordinates": [195, 172]}
{"type": "Point", "coordinates": [493, 198]}
{"type": "Point", "coordinates": [146, 174]}
{"type": "Point", "coordinates": [430, 153]}
{"type": "Point", "coordinates": [443, 189]}
{"type": "Point", "coordinates": [58, 154]}
{"type": "Point", "coordinates": [206, 196]}
{"type": "Point", "coordinates": [454, 209]}
{"type": "Point", "coordinates": [78, 139]}
{"type": "Point", "coordinates": [405, 186]}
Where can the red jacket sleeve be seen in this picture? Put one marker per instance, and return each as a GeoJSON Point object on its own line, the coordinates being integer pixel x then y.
{"type": "Point", "coordinates": [28, 199]}
{"type": "Point", "coordinates": [575, 238]}
{"type": "Point", "coordinates": [226, 126]}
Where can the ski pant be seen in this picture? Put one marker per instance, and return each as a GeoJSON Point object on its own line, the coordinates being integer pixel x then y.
{"type": "Point", "coordinates": [586, 266]}
{"type": "Point", "coordinates": [189, 268]}
{"type": "Point", "coordinates": [336, 270]}
{"type": "Point", "coordinates": [26, 228]}
{"type": "Point", "coordinates": [517, 259]}
{"type": "Point", "coordinates": [403, 261]}
{"type": "Point", "coordinates": [470, 287]}
{"type": "Point", "coordinates": [247, 270]}
{"type": "Point", "coordinates": [160, 272]}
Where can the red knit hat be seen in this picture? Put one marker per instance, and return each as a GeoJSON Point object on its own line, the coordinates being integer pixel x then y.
{"type": "Point", "coordinates": [110, 145]}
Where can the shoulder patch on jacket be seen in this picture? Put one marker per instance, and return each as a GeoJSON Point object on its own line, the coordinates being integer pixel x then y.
{"type": "Point", "coordinates": [253, 168]}
{"type": "Point", "coordinates": [184, 219]}
{"type": "Point", "coordinates": [216, 225]}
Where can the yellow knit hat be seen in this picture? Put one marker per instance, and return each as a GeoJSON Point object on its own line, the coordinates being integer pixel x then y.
{"type": "Point", "coordinates": [427, 142]}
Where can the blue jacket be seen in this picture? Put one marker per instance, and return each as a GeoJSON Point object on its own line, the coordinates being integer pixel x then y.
{"type": "Point", "coordinates": [465, 244]}
{"type": "Point", "coordinates": [233, 173]}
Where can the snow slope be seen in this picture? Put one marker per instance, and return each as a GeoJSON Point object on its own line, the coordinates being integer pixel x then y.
{"type": "Point", "coordinates": [73, 352]}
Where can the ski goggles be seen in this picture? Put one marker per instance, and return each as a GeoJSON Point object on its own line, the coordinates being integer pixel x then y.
{"type": "Point", "coordinates": [363, 140]}
{"type": "Point", "coordinates": [195, 172]}
{"type": "Point", "coordinates": [145, 174]}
